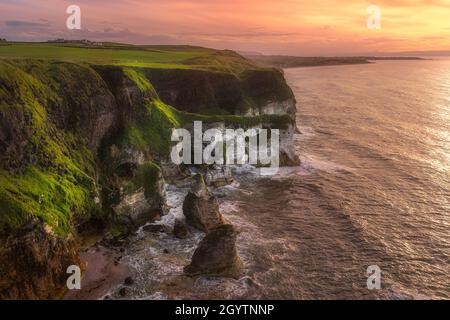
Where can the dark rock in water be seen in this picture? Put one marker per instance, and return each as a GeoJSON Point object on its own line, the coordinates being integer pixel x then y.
{"type": "Point", "coordinates": [218, 176]}
{"type": "Point", "coordinates": [288, 157]}
{"type": "Point", "coordinates": [123, 292]}
{"type": "Point", "coordinates": [200, 208]}
{"type": "Point", "coordinates": [128, 281]}
{"type": "Point", "coordinates": [180, 230]}
{"type": "Point", "coordinates": [157, 228]}
{"type": "Point", "coordinates": [174, 174]}
{"type": "Point", "coordinates": [216, 254]}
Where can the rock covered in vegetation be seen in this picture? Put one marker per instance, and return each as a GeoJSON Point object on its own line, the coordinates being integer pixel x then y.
{"type": "Point", "coordinates": [142, 196]}
{"type": "Point", "coordinates": [200, 208]}
{"type": "Point", "coordinates": [56, 121]}
{"type": "Point", "coordinates": [247, 91]}
{"type": "Point", "coordinates": [216, 255]}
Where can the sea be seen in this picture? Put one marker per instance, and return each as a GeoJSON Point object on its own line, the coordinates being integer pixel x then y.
{"type": "Point", "coordinates": [372, 190]}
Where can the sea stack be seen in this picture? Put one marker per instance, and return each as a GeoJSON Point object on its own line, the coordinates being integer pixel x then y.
{"type": "Point", "coordinates": [216, 254]}
{"type": "Point", "coordinates": [201, 208]}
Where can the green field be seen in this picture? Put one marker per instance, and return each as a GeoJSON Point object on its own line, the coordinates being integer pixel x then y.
{"type": "Point", "coordinates": [181, 57]}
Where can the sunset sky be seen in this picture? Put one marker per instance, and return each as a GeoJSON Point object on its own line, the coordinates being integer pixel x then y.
{"type": "Point", "coordinates": [297, 27]}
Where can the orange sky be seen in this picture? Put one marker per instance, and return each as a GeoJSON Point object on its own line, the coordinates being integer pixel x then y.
{"type": "Point", "coordinates": [325, 27]}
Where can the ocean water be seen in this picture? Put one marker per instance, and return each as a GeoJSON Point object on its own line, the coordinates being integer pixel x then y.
{"type": "Point", "coordinates": [378, 149]}
{"type": "Point", "coordinates": [373, 189]}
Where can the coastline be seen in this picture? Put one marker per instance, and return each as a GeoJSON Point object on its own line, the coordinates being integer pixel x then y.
{"type": "Point", "coordinates": [288, 62]}
{"type": "Point", "coordinates": [103, 169]}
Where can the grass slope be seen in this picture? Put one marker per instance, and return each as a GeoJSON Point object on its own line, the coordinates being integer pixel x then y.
{"type": "Point", "coordinates": [167, 57]}
{"type": "Point", "coordinates": [59, 182]}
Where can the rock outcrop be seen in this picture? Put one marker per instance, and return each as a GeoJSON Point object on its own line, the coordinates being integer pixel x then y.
{"type": "Point", "coordinates": [216, 254]}
{"type": "Point", "coordinates": [141, 195]}
{"type": "Point", "coordinates": [200, 208]}
{"type": "Point", "coordinates": [288, 156]}
{"type": "Point", "coordinates": [34, 262]}
{"type": "Point", "coordinates": [218, 176]}
{"type": "Point", "coordinates": [134, 210]}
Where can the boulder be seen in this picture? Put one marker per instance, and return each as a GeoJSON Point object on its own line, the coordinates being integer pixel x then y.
{"type": "Point", "coordinates": [180, 230]}
{"type": "Point", "coordinates": [128, 281]}
{"type": "Point", "coordinates": [216, 255]}
{"type": "Point", "coordinates": [174, 174]}
{"type": "Point", "coordinates": [123, 292]}
{"type": "Point", "coordinates": [134, 210]}
{"type": "Point", "coordinates": [200, 208]}
{"type": "Point", "coordinates": [157, 228]}
{"type": "Point", "coordinates": [218, 176]}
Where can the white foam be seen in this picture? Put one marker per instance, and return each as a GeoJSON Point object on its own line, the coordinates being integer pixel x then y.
{"type": "Point", "coordinates": [313, 163]}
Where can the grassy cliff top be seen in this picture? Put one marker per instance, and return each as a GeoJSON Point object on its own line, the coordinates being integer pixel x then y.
{"type": "Point", "coordinates": [165, 57]}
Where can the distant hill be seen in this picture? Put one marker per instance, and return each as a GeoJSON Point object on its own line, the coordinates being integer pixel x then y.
{"type": "Point", "coordinates": [249, 53]}
{"type": "Point", "coordinates": [293, 61]}
{"type": "Point", "coordinates": [435, 53]}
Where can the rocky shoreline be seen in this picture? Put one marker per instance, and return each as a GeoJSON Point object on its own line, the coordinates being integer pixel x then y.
{"type": "Point", "coordinates": [213, 253]}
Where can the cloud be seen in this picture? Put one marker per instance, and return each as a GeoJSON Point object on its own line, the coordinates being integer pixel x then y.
{"type": "Point", "coordinates": [282, 26]}
{"type": "Point", "coordinates": [27, 24]}
{"type": "Point", "coordinates": [249, 34]}
{"type": "Point", "coordinates": [119, 35]}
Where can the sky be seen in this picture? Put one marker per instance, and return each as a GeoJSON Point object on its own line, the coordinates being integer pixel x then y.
{"type": "Point", "coordinates": [290, 27]}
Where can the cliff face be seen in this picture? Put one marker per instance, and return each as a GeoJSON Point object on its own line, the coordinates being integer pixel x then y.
{"type": "Point", "coordinates": [80, 146]}
{"type": "Point", "coordinates": [34, 262]}
{"type": "Point", "coordinates": [209, 92]}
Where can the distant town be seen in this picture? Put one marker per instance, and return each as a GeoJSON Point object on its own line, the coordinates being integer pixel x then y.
{"type": "Point", "coordinates": [83, 41]}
